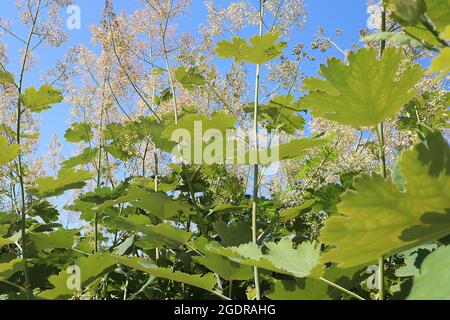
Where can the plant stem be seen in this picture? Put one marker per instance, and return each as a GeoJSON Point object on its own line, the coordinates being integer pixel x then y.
{"type": "Point", "coordinates": [382, 156]}
{"type": "Point", "coordinates": [380, 131]}
{"type": "Point", "coordinates": [19, 158]}
{"type": "Point", "coordinates": [166, 59]}
{"type": "Point", "coordinates": [256, 166]}
{"type": "Point", "coordinates": [332, 284]}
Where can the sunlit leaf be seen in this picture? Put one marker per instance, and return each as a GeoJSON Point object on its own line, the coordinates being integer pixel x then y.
{"type": "Point", "coordinates": [189, 78]}
{"type": "Point", "coordinates": [85, 157]}
{"type": "Point", "coordinates": [394, 37]}
{"type": "Point", "coordinates": [10, 268]}
{"type": "Point", "coordinates": [365, 92]}
{"type": "Point", "coordinates": [281, 257]}
{"type": "Point", "coordinates": [8, 152]}
{"type": "Point", "coordinates": [261, 49]}
{"type": "Point", "coordinates": [45, 211]}
{"type": "Point", "coordinates": [42, 99]}
{"type": "Point", "coordinates": [233, 234]}
{"type": "Point", "coordinates": [226, 268]}
{"type": "Point", "coordinates": [6, 77]}
{"type": "Point", "coordinates": [408, 11]}
{"type": "Point", "coordinates": [90, 268]}
{"type": "Point", "coordinates": [67, 179]}
{"type": "Point", "coordinates": [378, 219]}
{"type": "Point", "coordinates": [62, 239]}
{"type": "Point", "coordinates": [281, 113]}
{"type": "Point", "coordinates": [79, 132]}
{"type": "Point", "coordinates": [292, 213]}
{"type": "Point", "coordinates": [432, 281]}
{"type": "Point", "coordinates": [206, 282]}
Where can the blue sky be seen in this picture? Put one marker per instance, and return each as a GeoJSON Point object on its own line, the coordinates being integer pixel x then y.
{"type": "Point", "coordinates": [350, 15]}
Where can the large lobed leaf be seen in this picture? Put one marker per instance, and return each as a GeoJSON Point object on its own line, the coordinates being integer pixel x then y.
{"type": "Point", "coordinates": [261, 49]}
{"type": "Point", "coordinates": [281, 257]}
{"type": "Point", "coordinates": [94, 266]}
{"type": "Point", "coordinates": [377, 218]}
{"type": "Point", "coordinates": [42, 99]}
{"type": "Point", "coordinates": [432, 282]}
{"type": "Point", "coordinates": [281, 113]}
{"type": "Point", "coordinates": [363, 93]}
{"type": "Point", "coordinates": [8, 152]}
{"type": "Point", "coordinates": [67, 179]}
{"type": "Point", "coordinates": [6, 77]}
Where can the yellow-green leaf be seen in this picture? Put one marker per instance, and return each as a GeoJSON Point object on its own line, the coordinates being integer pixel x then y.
{"type": "Point", "coordinates": [379, 219]}
{"type": "Point", "coordinates": [261, 49]}
{"type": "Point", "coordinates": [432, 282]}
{"type": "Point", "coordinates": [67, 179]}
{"type": "Point", "coordinates": [281, 257]}
{"type": "Point", "coordinates": [6, 77]}
{"type": "Point", "coordinates": [365, 92]}
{"type": "Point", "coordinates": [8, 152]}
{"type": "Point", "coordinates": [42, 99]}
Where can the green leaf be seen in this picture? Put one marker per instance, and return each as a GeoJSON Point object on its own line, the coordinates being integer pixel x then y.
{"type": "Point", "coordinates": [79, 132]}
{"type": "Point", "coordinates": [5, 242]}
{"type": "Point", "coordinates": [365, 92]}
{"type": "Point", "coordinates": [6, 77]}
{"type": "Point", "coordinates": [157, 203]}
{"type": "Point", "coordinates": [413, 259]}
{"type": "Point", "coordinates": [228, 208]}
{"type": "Point", "coordinates": [189, 78]}
{"type": "Point", "coordinates": [291, 150]}
{"type": "Point", "coordinates": [224, 267]}
{"type": "Point", "coordinates": [438, 15]}
{"type": "Point", "coordinates": [164, 234]}
{"type": "Point", "coordinates": [409, 11]}
{"type": "Point", "coordinates": [149, 183]}
{"type": "Point", "coordinates": [377, 219]}
{"type": "Point", "coordinates": [312, 288]}
{"type": "Point", "coordinates": [189, 135]}
{"type": "Point", "coordinates": [9, 269]}
{"type": "Point", "coordinates": [298, 289]}
{"type": "Point", "coordinates": [90, 268]}
{"type": "Point", "coordinates": [94, 266]}
{"type": "Point", "coordinates": [206, 282]}
{"type": "Point", "coordinates": [394, 37]}
{"type": "Point", "coordinates": [292, 213]}
{"type": "Point", "coordinates": [60, 239]}
{"type": "Point", "coordinates": [280, 113]}
{"type": "Point", "coordinates": [44, 210]}
{"type": "Point", "coordinates": [261, 49]}
{"type": "Point", "coordinates": [85, 157]}
{"type": "Point", "coordinates": [281, 256]}
{"type": "Point", "coordinates": [441, 63]}
{"type": "Point", "coordinates": [432, 283]}
{"type": "Point", "coordinates": [8, 152]}
{"type": "Point", "coordinates": [42, 99]}
{"type": "Point", "coordinates": [233, 234]}
{"type": "Point", "coordinates": [67, 179]}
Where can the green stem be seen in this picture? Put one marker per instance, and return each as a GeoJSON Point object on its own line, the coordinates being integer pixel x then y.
{"type": "Point", "coordinates": [382, 156]}
{"type": "Point", "coordinates": [230, 290]}
{"type": "Point", "coordinates": [166, 59]}
{"type": "Point", "coordinates": [256, 166]}
{"type": "Point", "coordinates": [19, 158]}
{"type": "Point", "coordinates": [332, 284]}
